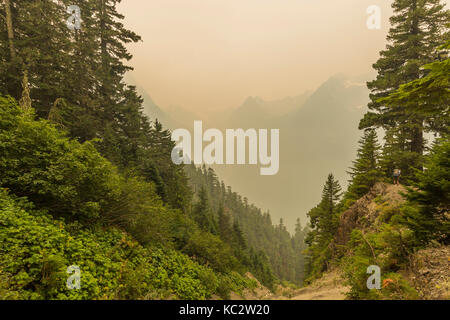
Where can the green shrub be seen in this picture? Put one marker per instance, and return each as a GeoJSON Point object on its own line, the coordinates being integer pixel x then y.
{"type": "Point", "coordinates": [58, 174]}
{"type": "Point", "coordinates": [208, 249]}
{"type": "Point", "coordinates": [35, 251]}
{"type": "Point", "coordinates": [388, 248]}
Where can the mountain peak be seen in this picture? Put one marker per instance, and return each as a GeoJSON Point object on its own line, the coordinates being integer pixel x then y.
{"type": "Point", "coordinates": [252, 101]}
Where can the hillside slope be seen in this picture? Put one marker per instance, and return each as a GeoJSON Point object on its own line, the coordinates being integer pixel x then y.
{"type": "Point", "coordinates": [364, 213]}
{"type": "Point", "coordinates": [369, 233]}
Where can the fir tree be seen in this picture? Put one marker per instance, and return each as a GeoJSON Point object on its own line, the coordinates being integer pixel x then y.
{"type": "Point", "coordinates": [418, 28]}
{"type": "Point", "coordinates": [428, 96]}
{"type": "Point", "coordinates": [429, 202]}
{"type": "Point", "coordinates": [202, 213]}
{"type": "Point", "coordinates": [25, 100]}
{"type": "Point", "coordinates": [365, 171]}
{"type": "Point", "coordinates": [299, 246]}
{"type": "Point", "coordinates": [158, 148]}
{"type": "Point", "coordinates": [224, 226]}
{"type": "Point", "coordinates": [239, 237]}
{"type": "Point", "coordinates": [10, 29]}
{"type": "Point", "coordinates": [330, 197]}
{"type": "Point", "coordinates": [323, 220]}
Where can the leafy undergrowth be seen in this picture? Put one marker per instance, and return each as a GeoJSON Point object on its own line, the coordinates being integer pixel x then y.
{"type": "Point", "coordinates": [385, 242]}
{"type": "Point", "coordinates": [36, 249]}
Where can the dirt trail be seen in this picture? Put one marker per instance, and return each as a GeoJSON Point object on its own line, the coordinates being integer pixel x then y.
{"type": "Point", "coordinates": [329, 287]}
{"type": "Point", "coordinates": [333, 293]}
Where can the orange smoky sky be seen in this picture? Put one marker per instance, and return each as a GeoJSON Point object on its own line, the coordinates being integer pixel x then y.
{"type": "Point", "coordinates": [208, 55]}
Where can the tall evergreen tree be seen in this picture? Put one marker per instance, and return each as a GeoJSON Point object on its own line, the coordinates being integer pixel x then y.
{"type": "Point", "coordinates": [429, 95]}
{"type": "Point", "coordinates": [299, 245]}
{"type": "Point", "coordinates": [158, 148]}
{"type": "Point", "coordinates": [418, 27]}
{"type": "Point", "coordinates": [323, 220]}
{"type": "Point", "coordinates": [239, 237]}
{"type": "Point", "coordinates": [224, 226]}
{"type": "Point", "coordinates": [365, 171]}
{"type": "Point", "coordinates": [330, 197]}
{"type": "Point", "coordinates": [25, 100]}
{"type": "Point", "coordinates": [9, 29]}
{"type": "Point", "coordinates": [429, 202]}
{"type": "Point", "coordinates": [396, 155]}
{"type": "Point", "coordinates": [202, 213]}
{"type": "Point", "coordinates": [38, 43]}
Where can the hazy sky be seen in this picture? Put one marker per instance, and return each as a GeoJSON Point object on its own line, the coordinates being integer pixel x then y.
{"type": "Point", "coordinates": [212, 54]}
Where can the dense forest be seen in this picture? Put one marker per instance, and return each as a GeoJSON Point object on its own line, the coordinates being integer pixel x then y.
{"type": "Point", "coordinates": [410, 101]}
{"type": "Point", "coordinates": [87, 179]}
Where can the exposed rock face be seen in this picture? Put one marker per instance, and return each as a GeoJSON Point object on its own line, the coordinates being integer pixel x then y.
{"type": "Point", "coordinates": [430, 269]}
{"type": "Point", "coordinates": [364, 212]}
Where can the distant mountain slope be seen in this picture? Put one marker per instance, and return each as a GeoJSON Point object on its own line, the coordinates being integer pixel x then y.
{"type": "Point", "coordinates": [256, 111]}
{"type": "Point", "coordinates": [316, 137]}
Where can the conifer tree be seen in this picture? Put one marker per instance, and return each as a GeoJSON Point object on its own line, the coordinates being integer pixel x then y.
{"type": "Point", "coordinates": [25, 100]}
{"type": "Point", "coordinates": [10, 29]}
{"type": "Point", "coordinates": [429, 202]}
{"type": "Point", "coordinates": [426, 212]}
{"type": "Point", "coordinates": [323, 220]}
{"type": "Point", "coordinates": [365, 171]}
{"type": "Point", "coordinates": [149, 171]}
{"type": "Point", "coordinates": [202, 213]}
{"type": "Point", "coordinates": [330, 197]}
{"type": "Point", "coordinates": [239, 237]}
{"type": "Point", "coordinates": [428, 96]}
{"type": "Point", "coordinates": [224, 226]}
{"type": "Point", "coordinates": [299, 246]}
{"type": "Point", "coordinates": [156, 145]}
{"type": "Point", "coordinates": [30, 34]}
{"type": "Point", "coordinates": [418, 28]}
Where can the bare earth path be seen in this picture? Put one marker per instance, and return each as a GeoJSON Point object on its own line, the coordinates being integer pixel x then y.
{"type": "Point", "coordinates": [336, 293]}
{"type": "Point", "coordinates": [329, 287]}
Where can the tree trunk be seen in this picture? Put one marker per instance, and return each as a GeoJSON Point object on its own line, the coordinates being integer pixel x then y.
{"type": "Point", "coordinates": [417, 141]}
{"type": "Point", "coordinates": [417, 130]}
{"type": "Point", "coordinates": [104, 52]}
{"type": "Point", "coordinates": [9, 27]}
